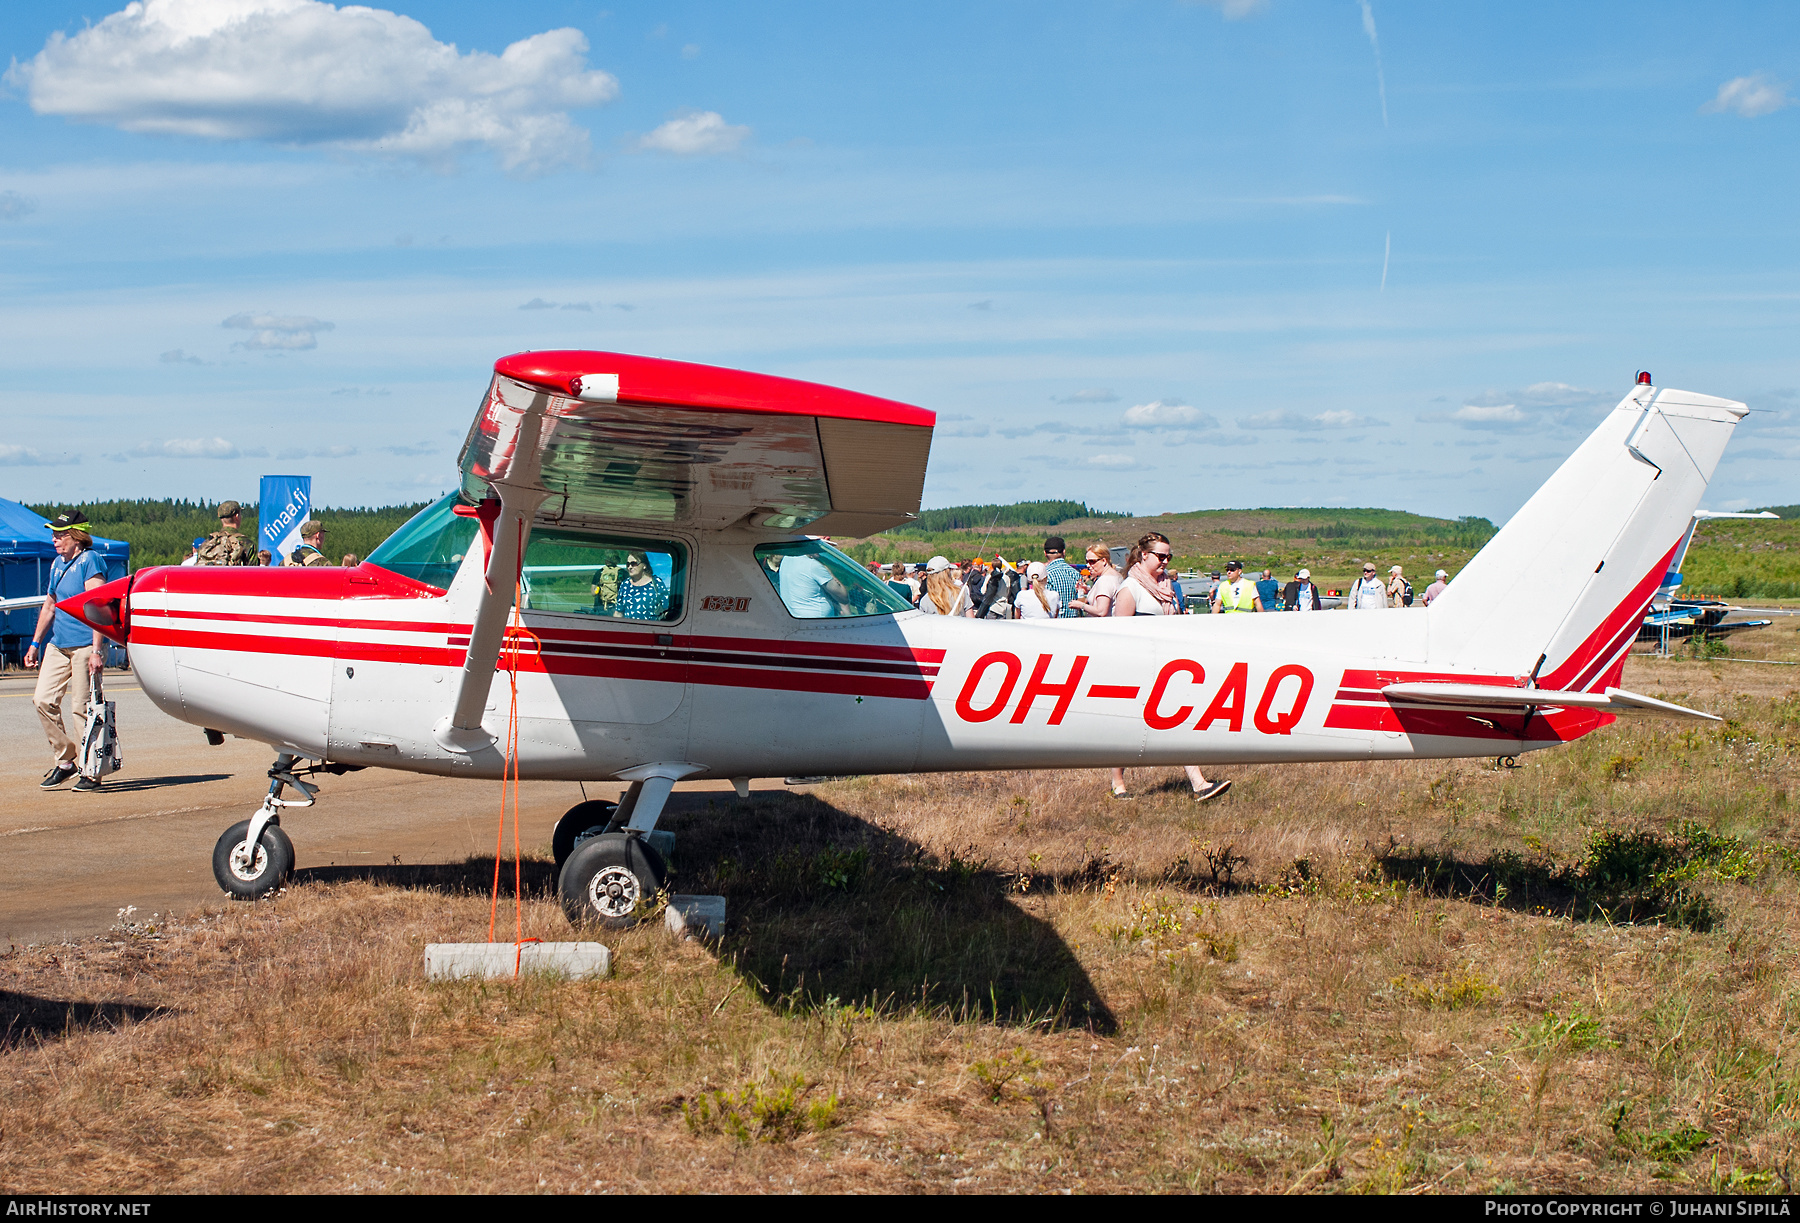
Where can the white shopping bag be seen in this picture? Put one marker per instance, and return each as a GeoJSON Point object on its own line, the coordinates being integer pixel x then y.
{"type": "Point", "coordinates": [100, 740]}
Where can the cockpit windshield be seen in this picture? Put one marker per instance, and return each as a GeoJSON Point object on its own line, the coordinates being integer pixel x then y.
{"type": "Point", "coordinates": [430, 547]}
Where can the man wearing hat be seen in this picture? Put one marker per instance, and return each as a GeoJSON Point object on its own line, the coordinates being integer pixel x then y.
{"type": "Point", "coordinates": [1400, 592]}
{"type": "Point", "coordinates": [1302, 594]}
{"type": "Point", "coordinates": [69, 651]}
{"type": "Point", "coordinates": [1236, 593]}
{"type": "Point", "coordinates": [1369, 593]}
{"type": "Point", "coordinates": [1060, 575]}
{"type": "Point", "coordinates": [1437, 588]}
{"type": "Point", "coordinates": [312, 544]}
{"type": "Point", "coordinates": [225, 546]}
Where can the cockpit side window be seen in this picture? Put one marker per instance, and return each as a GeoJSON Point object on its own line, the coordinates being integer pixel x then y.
{"type": "Point", "coordinates": [430, 547]}
{"type": "Point", "coordinates": [604, 575]}
{"type": "Point", "coordinates": [816, 582]}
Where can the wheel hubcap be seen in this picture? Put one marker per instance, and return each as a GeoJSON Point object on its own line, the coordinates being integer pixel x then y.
{"type": "Point", "coordinates": [614, 892]}
{"type": "Point", "coordinates": [246, 868]}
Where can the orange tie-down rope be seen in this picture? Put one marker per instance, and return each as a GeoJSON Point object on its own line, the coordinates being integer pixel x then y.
{"type": "Point", "coordinates": [509, 773]}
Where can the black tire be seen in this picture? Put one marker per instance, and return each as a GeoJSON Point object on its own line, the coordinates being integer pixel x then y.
{"type": "Point", "coordinates": [609, 879]}
{"type": "Point", "coordinates": [274, 862]}
{"type": "Point", "coordinates": [591, 816]}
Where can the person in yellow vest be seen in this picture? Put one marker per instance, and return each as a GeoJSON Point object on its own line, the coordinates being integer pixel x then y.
{"type": "Point", "coordinates": [1236, 593]}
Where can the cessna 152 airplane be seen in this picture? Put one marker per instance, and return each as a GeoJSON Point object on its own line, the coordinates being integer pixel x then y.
{"type": "Point", "coordinates": [638, 540]}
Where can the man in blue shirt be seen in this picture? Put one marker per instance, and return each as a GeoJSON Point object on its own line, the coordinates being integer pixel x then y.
{"type": "Point", "coordinates": [1060, 575]}
{"type": "Point", "coordinates": [70, 651]}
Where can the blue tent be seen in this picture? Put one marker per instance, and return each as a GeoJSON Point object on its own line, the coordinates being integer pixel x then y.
{"type": "Point", "coordinates": [25, 556]}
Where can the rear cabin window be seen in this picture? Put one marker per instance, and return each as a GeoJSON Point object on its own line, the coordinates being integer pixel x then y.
{"type": "Point", "coordinates": [604, 575]}
{"type": "Point", "coordinates": [817, 582]}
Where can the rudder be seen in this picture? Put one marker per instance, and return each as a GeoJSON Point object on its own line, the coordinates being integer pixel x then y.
{"type": "Point", "coordinates": [1561, 589]}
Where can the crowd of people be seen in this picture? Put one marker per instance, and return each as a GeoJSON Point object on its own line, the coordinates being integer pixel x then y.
{"type": "Point", "coordinates": [1148, 585]}
{"type": "Point", "coordinates": [229, 546]}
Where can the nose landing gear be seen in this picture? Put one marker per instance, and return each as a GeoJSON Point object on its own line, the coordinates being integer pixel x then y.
{"type": "Point", "coordinates": [255, 857]}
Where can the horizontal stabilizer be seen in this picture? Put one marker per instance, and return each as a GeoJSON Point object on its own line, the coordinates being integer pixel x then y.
{"type": "Point", "coordinates": [1491, 696]}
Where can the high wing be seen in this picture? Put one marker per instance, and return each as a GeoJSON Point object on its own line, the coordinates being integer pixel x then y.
{"type": "Point", "coordinates": [615, 437]}
{"type": "Point", "coordinates": [587, 437]}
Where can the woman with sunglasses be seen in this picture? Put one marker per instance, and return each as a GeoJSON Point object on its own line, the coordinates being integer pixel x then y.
{"type": "Point", "coordinates": [1103, 583]}
{"type": "Point", "coordinates": [1148, 590]}
{"type": "Point", "coordinates": [642, 595]}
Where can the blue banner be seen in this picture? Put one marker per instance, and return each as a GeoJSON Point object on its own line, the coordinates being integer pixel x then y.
{"type": "Point", "coordinates": [286, 505]}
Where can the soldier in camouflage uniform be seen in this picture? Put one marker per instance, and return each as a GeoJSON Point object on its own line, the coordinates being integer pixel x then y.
{"type": "Point", "coordinates": [225, 546]}
{"type": "Point", "coordinates": [312, 543]}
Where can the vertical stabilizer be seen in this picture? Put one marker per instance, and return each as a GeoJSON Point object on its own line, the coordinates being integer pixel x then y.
{"type": "Point", "coordinates": [1560, 591]}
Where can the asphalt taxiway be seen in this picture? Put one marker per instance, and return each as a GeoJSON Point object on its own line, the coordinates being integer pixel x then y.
{"type": "Point", "coordinates": [72, 863]}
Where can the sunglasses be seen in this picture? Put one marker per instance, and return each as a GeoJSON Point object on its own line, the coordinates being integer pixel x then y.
{"type": "Point", "coordinates": [1164, 557]}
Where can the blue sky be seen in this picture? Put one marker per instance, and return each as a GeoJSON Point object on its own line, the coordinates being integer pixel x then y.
{"type": "Point", "coordinates": [1155, 255]}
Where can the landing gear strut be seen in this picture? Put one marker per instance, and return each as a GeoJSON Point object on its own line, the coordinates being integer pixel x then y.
{"type": "Point", "coordinates": [255, 857]}
{"type": "Point", "coordinates": [611, 871]}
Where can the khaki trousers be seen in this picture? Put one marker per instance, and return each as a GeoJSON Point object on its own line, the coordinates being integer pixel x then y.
{"type": "Point", "coordinates": [59, 670]}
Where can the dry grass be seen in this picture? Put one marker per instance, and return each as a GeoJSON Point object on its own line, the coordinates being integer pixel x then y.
{"type": "Point", "coordinates": [1009, 982]}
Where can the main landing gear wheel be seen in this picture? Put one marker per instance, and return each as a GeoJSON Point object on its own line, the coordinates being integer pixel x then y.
{"type": "Point", "coordinates": [252, 876]}
{"type": "Point", "coordinates": [608, 880]}
{"type": "Point", "coordinates": [593, 816]}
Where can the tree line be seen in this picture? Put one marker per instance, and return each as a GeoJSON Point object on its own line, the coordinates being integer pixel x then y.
{"type": "Point", "coordinates": [162, 532]}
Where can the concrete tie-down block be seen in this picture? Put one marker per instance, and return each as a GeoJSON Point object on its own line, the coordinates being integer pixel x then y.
{"type": "Point", "coordinates": [452, 961]}
{"type": "Point", "coordinates": [688, 916]}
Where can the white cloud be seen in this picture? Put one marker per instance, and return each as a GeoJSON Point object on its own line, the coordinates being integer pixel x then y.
{"type": "Point", "coordinates": [1093, 394]}
{"type": "Point", "coordinates": [14, 206]}
{"type": "Point", "coordinates": [1542, 405]}
{"type": "Point", "coordinates": [195, 448]}
{"type": "Point", "coordinates": [1059, 428]}
{"type": "Point", "coordinates": [1158, 414]}
{"type": "Point", "coordinates": [27, 456]}
{"type": "Point", "coordinates": [322, 452]}
{"type": "Point", "coordinates": [1485, 415]}
{"type": "Point", "coordinates": [176, 356]}
{"type": "Point", "coordinates": [1335, 418]}
{"type": "Point", "coordinates": [300, 72]}
{"type": "Point", "coordinates": [693, 132]}
{"type": "Point", "coordinates": [1234, 10]}
{"type": "Point", "coordinates": [1115, 462]}
{"type": "Point", "coordinates": [1749, 96]}
{"type": "Point", "coordinates": [277, 332]}
{"type": "Point", "coordinates": [691, 51]}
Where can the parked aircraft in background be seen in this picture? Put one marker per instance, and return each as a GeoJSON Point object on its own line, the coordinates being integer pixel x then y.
{"type": "Point", "coordinates": [638, 538]}
{"type": "Point", "coordinates": [1671, 617]}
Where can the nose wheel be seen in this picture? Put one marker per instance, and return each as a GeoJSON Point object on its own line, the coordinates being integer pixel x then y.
{"type": "Point", "coordinates": [255, 857]}
{"type": "Point", "coordinates": [609, 879]}
{"type": "Point", "coordinates": [252, 872]}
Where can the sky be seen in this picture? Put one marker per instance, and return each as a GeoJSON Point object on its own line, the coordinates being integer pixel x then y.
{"type": "Point", "coordinates": [1154, 255]}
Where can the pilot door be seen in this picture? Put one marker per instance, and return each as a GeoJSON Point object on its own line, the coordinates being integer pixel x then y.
{"type": "Point", "coordinates": [600, 672]}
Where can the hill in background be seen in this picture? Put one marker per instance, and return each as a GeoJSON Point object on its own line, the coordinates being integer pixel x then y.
{"type": "Point", "coordinates": [1730, 558]}
{"type": "Point", "coordinates": [1332, 542]}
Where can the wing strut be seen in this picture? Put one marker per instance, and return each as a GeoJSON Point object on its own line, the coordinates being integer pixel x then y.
{"type": "Point", "coordinates": [515, 471]}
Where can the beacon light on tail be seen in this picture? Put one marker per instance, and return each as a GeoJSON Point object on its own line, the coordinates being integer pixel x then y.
{"type": "Point", "coordinates": [638, 540]}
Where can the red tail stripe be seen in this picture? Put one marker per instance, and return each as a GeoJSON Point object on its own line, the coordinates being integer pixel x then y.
{"type": "Point", "coordinates": [1629, 613]}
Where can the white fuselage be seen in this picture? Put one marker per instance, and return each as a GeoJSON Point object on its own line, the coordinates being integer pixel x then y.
{"type": "Point", "coordinates": [341, 665]}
